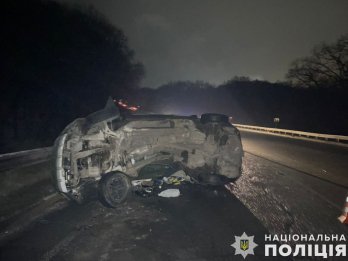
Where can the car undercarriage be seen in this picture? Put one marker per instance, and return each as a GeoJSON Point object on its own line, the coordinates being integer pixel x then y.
{"type": "Point", "coordinates": [108, 144]}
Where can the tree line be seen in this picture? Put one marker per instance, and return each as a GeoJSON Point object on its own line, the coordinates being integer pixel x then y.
{"type": "Point", "coordinates": [325, 67]}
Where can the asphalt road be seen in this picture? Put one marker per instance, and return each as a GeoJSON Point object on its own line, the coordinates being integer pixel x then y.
{"type": "Point", "coordinates": [269, 198]}
{"type": "Point", "coordinates": [199, 225]}
{"type": "Point", "coordinates": [324, 160]}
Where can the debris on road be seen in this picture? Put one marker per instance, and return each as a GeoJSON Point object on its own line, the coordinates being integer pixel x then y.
{"type": "Point", "coordinates": [170, 193]}
{"type": "Point", "coordinates": [229, 187]}
{"type": "Point", "coordinates": [160, 186]}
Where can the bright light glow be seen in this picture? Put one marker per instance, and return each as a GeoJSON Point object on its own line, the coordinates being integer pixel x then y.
{"type": "Point", "coordinates": [124, 105]}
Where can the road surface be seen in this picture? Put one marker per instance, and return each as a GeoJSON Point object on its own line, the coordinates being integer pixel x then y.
{"type": "Point", "coordinates": [324, 160]}
{"type": "Point", "coordinates": [269, 198]}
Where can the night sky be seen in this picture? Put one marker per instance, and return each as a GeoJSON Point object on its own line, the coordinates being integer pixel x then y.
{"type": "Point", "coordinates": [214, 40]}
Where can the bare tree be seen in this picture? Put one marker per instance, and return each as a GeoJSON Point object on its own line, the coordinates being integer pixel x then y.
{"type": "Point", "coordinates": [326, 67]}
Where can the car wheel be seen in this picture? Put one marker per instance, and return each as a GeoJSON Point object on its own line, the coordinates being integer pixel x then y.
{"type": "Point", "coordinates": [114, 188]}
{"type": "Point", "coordinates": [214, 117]}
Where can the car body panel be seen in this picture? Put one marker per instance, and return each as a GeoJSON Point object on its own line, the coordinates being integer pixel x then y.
{"type": "Point", "coordinates": [107, 141]}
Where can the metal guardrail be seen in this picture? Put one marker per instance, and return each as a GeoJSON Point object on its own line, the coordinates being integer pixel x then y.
{"type": "Point", "coordinates": [294, 133]}
{"type": "Point", "coordinates": [24, 158]}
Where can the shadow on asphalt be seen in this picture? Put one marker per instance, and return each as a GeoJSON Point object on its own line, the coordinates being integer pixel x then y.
{"type": "Point", "coordinates": [201, 224]}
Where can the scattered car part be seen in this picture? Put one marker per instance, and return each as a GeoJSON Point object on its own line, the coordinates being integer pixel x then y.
{"type": "Point", "coordinates": [170, 193]}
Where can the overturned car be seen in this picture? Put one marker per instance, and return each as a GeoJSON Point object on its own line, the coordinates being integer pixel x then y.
{"type": "Point", "coordinates": [108, 149]}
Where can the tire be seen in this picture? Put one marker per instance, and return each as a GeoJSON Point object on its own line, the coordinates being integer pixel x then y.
{"type": "Point", "coordinates": [114, 189]}
{"type": "Point", "coordinates": [214, 118]}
